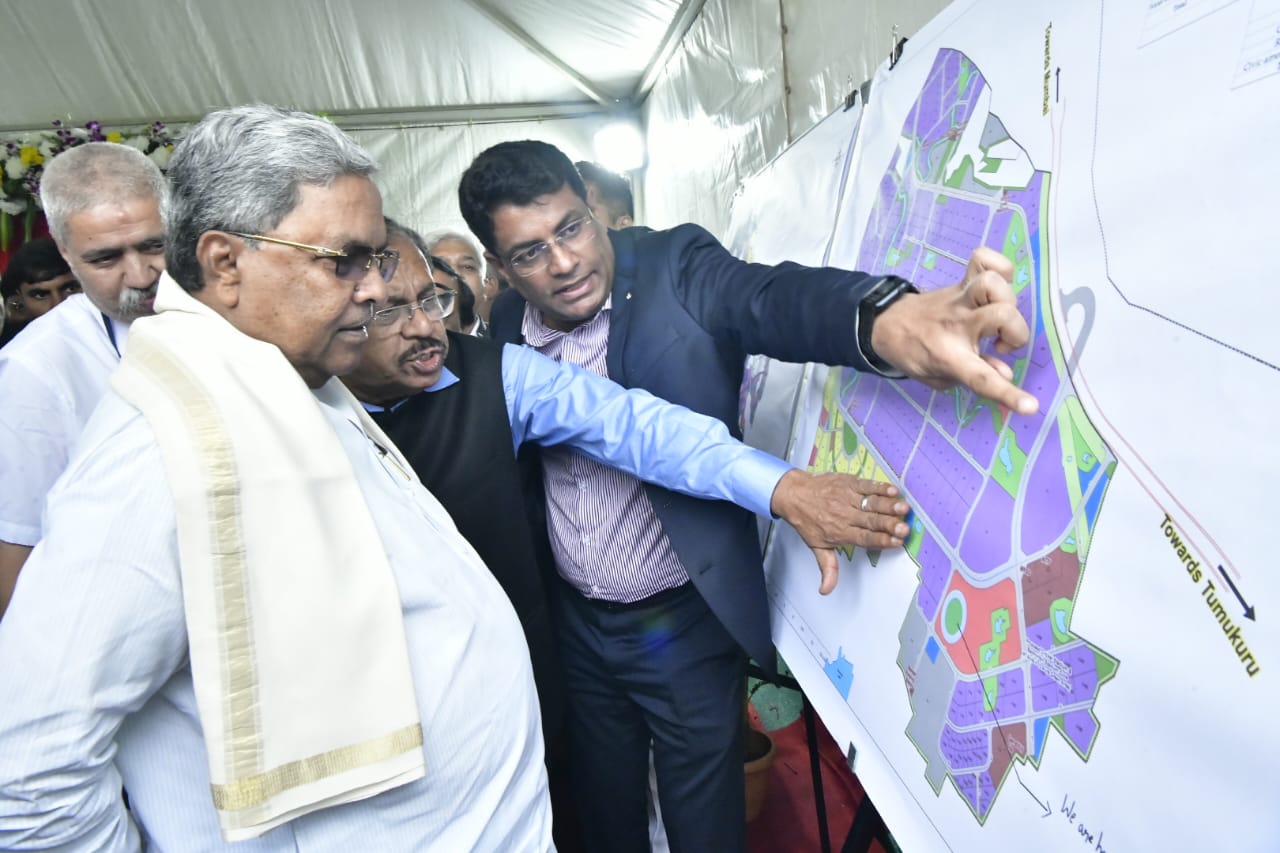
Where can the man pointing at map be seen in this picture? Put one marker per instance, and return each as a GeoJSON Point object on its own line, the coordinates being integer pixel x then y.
{"type": "Point", "coordinates": [662, 592]}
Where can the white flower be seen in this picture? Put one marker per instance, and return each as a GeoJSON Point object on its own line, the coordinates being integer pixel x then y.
{"type": "Point", "coordinates": [46, 148]}
{"type": "Point", "coordinates": [161, 157]}
{"type": "Point", "coordinates": [11, 207]}
{"type": "Point", "coordinates": [139, 142]}
{"type": "Point", "coordinates": [79, 133]}
{"type": "Point", "coordinates": [14, 168]}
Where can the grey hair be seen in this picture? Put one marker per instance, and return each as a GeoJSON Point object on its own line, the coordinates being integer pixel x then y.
{"type": "Point", "coordinates": [240, 169]}
{"type": "Point", "coordinates": [435, 238]}
{"type": "Point", "coordinates": [396, 229]}
{"type": "Point", "coordinates": [92, 174]}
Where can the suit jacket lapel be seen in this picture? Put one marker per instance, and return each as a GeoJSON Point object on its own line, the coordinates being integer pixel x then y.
{"type": "Point", "coordinates": [624, 278]}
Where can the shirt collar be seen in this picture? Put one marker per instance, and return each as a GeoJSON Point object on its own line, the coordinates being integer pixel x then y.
{"type": "Point", "coordinates": [447, 378]}
{"type": "Point", "coordinates": [537, 333]}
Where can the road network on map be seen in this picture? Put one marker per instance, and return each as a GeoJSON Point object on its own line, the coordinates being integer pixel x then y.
{"type": "Point", "coordinates": [1004, 507]}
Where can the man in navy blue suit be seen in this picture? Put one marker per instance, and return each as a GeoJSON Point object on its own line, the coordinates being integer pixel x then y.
{"type": "Point", "coordinates": [661, 592]}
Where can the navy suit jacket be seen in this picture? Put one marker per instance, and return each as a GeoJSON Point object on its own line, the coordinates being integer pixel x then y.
{"type": "Point", "coordinates": [685, 316]}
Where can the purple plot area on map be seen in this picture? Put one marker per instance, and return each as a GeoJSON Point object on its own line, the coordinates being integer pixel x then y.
{"type": "Point", "coordinates": [917, 391]}
{"type": "Point", "coordinates": [1046, 505]}
{"type": "Point", "coordinates": [980, 438]}
{"type": "Point", "coordinates": [967, 785]}
{"type": "Point", "coordinates": [966, 750]}
{"type": "Point", "coordinates": [986, 792]}
{"type": "Point", "coordinates": [943, 410]}
{"type": "Point", "coordinates": [950, 483]}
{"type": "Point", "coordinates": [1000, 222]}
{"type": "Point", "coordinates": [947, 509]}
{"type": "Point", "coordinates": [962, 229]}
{"type": "Point", "coordinates": [892, 428]}
{"type": "Point", "coordinates": [945, 273]}
{"type": "Point", "coordinates": [1081, 728]}
{"type": "Point", "coordinates": [1081, 666]}
{"type": "Point", "coordinates": [935, 568]}
{"type": "Point", "coordinates": [918, 220]}
{"type": "Point", "coordinates": [1029, 200]}
{"type": "Point", "coordinates": [968, 706]}
{"type": "Point", "coordinates": [986, 546]}
{"type": "Point", "coordinates": [1041, 634]}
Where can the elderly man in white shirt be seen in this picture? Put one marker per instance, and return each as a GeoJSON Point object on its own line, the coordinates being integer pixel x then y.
{"type": "Point", "coordinates": [102, 202]}
{"type": "Point", "coordinates": [245, 606]}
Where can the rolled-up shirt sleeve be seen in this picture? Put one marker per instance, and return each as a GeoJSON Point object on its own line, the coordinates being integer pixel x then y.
{"type": "Point", "coordinates": [95, 628]}
{"type": "Point", "coordinates": [556, 403]}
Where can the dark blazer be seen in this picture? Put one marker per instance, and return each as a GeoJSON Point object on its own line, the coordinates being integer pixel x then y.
{"type": "Point", "coordinates": [685, 316]}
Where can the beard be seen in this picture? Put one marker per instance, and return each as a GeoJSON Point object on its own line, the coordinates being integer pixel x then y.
{"type": "Point", "coordinates": [131, 305]}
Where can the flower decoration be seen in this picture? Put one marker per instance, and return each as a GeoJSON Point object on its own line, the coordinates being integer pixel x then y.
{"type": "Point", "coordinates": [23, 158]}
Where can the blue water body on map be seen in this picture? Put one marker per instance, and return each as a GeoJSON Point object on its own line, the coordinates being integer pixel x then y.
{"type": "Point", "coordinates": [1086, 477]}
{"type": "Point", "coordinates": [1006, 458]}
{"type": "Point", "coordinates": [1095, 500]}
{"type": "Point", "coordinates": [1041, 726]}
{"type": "Point", "coordinates": [1060, 621]}
{"type": "Point", "coordinates": [932, 648]}
{"type": "Point", "coordinates": [840, 671]}
{"type": "Point", "coordinates": [1035, 257]}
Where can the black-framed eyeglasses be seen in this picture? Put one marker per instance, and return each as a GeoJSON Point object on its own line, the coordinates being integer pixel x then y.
{"type": "Point", "coordinates": [349, 265]}
{"type": "Point", "coordinates": [572, 235]}
{"type": "Point", "coordinates": [438, 304]}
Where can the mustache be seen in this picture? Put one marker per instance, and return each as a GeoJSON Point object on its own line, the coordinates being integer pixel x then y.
{"type": "Point", "coordinates": [426, 345]}
{"type": "Point", "coordinates": [133, 296]}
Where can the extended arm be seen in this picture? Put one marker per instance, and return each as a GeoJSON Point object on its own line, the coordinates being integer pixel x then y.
{"type": "Point", "coordinates": [631, 430]}
{"type": "Point", "coordinates": [798, 313]}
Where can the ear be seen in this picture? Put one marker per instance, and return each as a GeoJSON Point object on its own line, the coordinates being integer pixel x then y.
{"type": "Point", "coordinates": [219, 255]}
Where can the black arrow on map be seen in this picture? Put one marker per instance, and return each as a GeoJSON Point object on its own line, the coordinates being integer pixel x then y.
{"type": "Point", "coordinates": [1057, 84]}
{"type": "Point", "coordinates": [1248, 608]}
{"type": "Point", "coordinates": [1044, 804]}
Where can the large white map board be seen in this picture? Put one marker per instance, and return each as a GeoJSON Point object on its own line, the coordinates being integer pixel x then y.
{"type": "Point", "coordinates": [1078, 649]}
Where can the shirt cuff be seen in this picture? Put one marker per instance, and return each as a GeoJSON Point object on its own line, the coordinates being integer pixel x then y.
{"type": "Point", "coordinates": [754, 478]}
{"type": "Point", "coordinates": [19, 534]}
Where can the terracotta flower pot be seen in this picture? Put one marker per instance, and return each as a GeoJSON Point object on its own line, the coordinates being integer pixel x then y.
{"type": "Point", "coordinates": [756, 770]}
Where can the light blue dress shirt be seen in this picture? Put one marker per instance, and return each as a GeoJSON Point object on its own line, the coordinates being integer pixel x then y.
{"type": "Point", "coordinates": [558, 403]}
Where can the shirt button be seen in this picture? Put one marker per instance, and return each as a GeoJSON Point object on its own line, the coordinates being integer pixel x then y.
{"type": "Point", "coordinates": [582, 487]}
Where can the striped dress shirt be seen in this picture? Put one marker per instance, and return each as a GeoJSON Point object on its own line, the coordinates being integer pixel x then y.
{"type": "Point", "coordinates": [607, 540]}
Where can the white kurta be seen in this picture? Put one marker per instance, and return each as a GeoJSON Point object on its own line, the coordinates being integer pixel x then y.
{"type": "Point", "coordinates": [51, 378]}
{"type": "Point", "coordinates": [93, 654]}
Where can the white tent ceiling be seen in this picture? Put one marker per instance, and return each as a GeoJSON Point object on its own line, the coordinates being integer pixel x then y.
{"type": "Point", "coordinates": [364, 62]}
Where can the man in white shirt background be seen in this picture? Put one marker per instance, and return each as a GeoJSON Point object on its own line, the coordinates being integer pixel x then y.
{"type": "Point", "coordinates": [102, 201]}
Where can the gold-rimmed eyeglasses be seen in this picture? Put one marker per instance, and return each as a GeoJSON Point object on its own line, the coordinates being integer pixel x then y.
{"type": "Point", "coordinates": [349, 264]}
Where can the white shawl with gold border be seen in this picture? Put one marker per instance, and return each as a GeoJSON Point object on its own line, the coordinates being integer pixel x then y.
{"type": "Point", "coordinates": [298, 652]}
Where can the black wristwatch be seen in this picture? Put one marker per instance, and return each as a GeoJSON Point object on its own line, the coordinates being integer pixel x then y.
{"type": "Point", "coordinates": [888, 290]}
